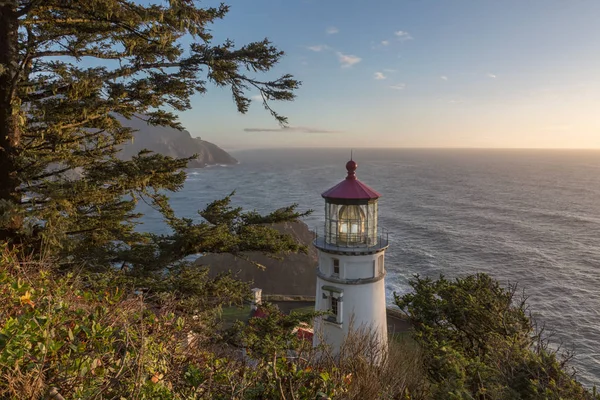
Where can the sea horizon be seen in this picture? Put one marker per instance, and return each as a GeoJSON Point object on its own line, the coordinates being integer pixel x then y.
{"type": "Point", "coordinates": [527, 217]}
{"type": "Point", "coordinates": [233, 150]}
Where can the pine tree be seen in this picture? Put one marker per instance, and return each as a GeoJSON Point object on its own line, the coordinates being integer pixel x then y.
{"type": "Point", "coordinates": [69, 70]}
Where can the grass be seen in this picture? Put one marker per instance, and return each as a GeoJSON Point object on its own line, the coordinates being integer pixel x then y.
{"type": "Point", "coordinates": [230, 315]}
{"type": "Point", "coordinates": [304, 309]}
{"type": "Point", "coordinates": [401, 337]}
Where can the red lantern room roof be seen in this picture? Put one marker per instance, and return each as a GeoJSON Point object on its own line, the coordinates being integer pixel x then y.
{"type": "Point", "coordinates": [351, 188]}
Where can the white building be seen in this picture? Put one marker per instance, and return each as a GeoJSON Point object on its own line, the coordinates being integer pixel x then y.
{"type": "Point", "coordinates": [351, 272]}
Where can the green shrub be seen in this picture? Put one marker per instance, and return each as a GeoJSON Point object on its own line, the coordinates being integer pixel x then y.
{"type": "Point", "coordinates": [103, 340]}
{"type": "Point", "coordinates": [479, 343]}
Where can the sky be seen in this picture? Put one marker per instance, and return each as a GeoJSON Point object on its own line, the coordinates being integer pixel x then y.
{"type": "Point", "coordinates": [417, 73]}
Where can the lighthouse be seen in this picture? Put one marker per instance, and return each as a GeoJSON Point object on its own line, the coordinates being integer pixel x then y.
{"type": "Point", "coordinates": [351, 271]}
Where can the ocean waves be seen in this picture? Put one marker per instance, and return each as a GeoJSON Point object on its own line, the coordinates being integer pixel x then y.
{"type": "Point", "coordinates": [530, 218]}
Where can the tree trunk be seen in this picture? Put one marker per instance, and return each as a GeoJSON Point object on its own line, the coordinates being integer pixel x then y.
{"type": "Point", "coordinates": [9, 128]}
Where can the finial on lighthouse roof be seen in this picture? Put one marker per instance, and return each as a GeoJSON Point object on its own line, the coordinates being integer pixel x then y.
{"type": "Point", "coordinates": [351, 188]}
{"type": "Point", "coordinates": [351, 168]}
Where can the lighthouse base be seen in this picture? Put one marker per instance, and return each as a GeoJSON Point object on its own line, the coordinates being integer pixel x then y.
{"type": "Point", "coordinates": [356, 319]}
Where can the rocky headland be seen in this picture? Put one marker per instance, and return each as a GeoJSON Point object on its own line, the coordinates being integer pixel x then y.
{"type": "Point", "coordinates": [294, 275]}
{"type": "Point", "coordinates": [173, 143]}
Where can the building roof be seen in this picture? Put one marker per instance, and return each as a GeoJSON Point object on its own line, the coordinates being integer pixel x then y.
{"type": "Point", "coordinates": [351, 187]}
{"type": "Point", "coordinates": [305, 334]}
{"type": "Point", "coordinates": [258, 312]}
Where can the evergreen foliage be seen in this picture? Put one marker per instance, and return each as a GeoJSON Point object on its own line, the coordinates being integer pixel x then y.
{"type": "Point", "coordinates": [150, 329]}
{"type": "Point", "coordinates": [479, 343]}
{"type": "Point", "coordinates": [68, 69]}
{"type": "Point", "coordinates": [273, 335]}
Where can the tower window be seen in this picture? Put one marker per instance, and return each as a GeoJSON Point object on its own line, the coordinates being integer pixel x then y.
{"type": "Point", "coordinates": [336, 267]}
{"type": "Point", "coordinates": [333, 302]}
{"type": "Point", "coordinates": [335, 307]}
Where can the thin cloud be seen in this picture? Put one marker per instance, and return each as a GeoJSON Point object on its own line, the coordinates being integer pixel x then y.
{"type": "Point", "coordinates": [390, 70]}
{"type": "Point", "coordinates": [379, 76]}
{"type": "Point", "coordinates": [318, 47]}
{"type": "Point", "coordinates": [332, 30]}
{"type": "Point", "coordinates": [348, 60]}
{"type": "Point", "coordinates": [403, 35]}
{"type": "Point", "coordinates": [257, 97]}
{"type": "Point", "coordinates": [299, 129]}
{"type": "Point", "coordinates": [380, 45]}
{"type": "Point", "coordinates": [493, 76]}
{"type": "Point", "coordinates": [444, 77]}
{"type": "Point", "coordinates": [398, 86]}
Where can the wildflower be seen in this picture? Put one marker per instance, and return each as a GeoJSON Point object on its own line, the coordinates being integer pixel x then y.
{"type": "Point", "coordinates": [26, 299]}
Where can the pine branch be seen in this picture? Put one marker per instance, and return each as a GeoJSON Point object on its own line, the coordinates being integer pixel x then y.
{"type": "Point", "coordinates": [79, 54]}
{"type": "Point", "coordinates": [60, 115]}
{"type": "Point", "coordinates": [28, 7]}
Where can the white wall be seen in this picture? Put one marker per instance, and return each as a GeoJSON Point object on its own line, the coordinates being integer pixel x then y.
{"type": "Point", "coordinates": [357, 270]}
{"type": "Point", "coordinates": [363, 304]}
{"type": "Point", "coordinates": [351, 266]}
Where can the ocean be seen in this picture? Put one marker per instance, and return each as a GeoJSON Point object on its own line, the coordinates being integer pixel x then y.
{"type": "Point", "coordinates": [530, 217]}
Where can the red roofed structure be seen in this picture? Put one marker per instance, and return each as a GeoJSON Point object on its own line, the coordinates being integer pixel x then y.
{"type": "Point", "coordinates": [351, 272]}
{"type": "Point", "coordinates": [351, 188]}
{"type": "Point", "coordinates": [305, 334]}
{"type": "Point", "coordinates": [350, 215]}
{"type": "Point", "coordinates": [258, 313]}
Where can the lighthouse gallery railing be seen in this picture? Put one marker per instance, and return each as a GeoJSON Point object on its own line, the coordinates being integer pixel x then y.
{"type": "Point", "coordinates": [354, 242]}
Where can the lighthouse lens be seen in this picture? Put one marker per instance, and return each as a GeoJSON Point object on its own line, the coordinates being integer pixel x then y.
{"type": "Point", "coordinates": [351, 225]}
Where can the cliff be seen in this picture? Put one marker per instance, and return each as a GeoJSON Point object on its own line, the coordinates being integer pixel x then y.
{"type": "Point", "coordinates": [174, 143]}
{"type": "Point", "coordinates": [295, 275]}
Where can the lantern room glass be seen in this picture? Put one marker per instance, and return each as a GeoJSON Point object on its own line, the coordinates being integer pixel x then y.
{"type": "Point", "coordinates": [351, 225]}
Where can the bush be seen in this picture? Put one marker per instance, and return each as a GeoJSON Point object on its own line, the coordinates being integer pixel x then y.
{"type": "Point", "coordinates": [86, 343]}
{"type": "Point", "coordinates": [479, 343]}
{"type": "Point", "coordinates": [98, 339]}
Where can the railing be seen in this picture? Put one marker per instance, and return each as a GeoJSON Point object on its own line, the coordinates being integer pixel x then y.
{"type": "Point", "coordinates": [351, 242]}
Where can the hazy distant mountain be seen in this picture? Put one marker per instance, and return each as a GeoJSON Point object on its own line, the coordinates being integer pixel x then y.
{"type": "Point", "coordinates": [174, 143]}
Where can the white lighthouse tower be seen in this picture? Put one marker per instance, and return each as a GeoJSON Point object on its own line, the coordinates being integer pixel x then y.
{"type": "Point", "coordinates": [350, 276]}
